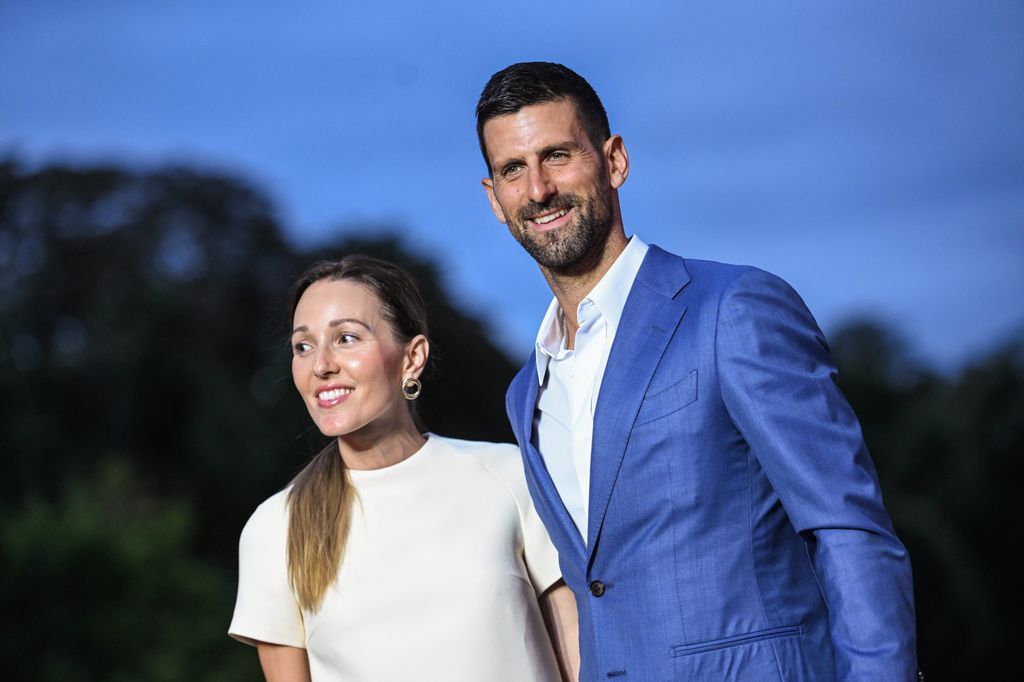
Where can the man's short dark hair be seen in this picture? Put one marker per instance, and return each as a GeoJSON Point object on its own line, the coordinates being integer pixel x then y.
{"type": "Point", "coordinates": [528, 83]}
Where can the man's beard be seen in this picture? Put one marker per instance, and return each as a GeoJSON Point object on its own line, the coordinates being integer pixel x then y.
{"type": "Point", "coordinates": [569, 249]}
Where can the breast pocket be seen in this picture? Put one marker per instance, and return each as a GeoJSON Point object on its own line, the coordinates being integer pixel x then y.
{"type": "Point", "coordinates": [668, 400]}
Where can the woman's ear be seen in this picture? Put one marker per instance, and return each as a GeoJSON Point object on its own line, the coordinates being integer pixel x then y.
{"type": "Point", "coordinates": [417, 351]}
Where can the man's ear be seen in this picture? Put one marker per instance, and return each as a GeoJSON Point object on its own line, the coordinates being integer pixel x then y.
{"type": "Point", "coordinates": [488, 184]}
{"type": "Point", "coordinates": [616, 159]}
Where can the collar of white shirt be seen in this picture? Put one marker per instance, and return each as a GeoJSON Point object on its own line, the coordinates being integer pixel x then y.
{"type": "Point", "coordinates": [608, 296]}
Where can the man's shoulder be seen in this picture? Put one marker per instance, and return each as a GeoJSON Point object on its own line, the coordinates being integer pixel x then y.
{"type": "Point", "coordinates": [662, 258]}
{"type": "Point", "coordinates": [701, 274]}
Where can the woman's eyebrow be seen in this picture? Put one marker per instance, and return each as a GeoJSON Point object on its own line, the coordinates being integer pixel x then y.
{"type": "Point", "coordinates": [343, 320]}
{"type": "Point", "coordinates": [334, 323]}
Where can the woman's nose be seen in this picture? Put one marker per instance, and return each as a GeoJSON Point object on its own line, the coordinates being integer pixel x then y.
{"type": "Point", "coordinates": [325, 364]}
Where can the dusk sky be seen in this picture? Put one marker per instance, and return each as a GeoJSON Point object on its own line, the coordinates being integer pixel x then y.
{"type": "Point", "coordinates": [871, 153]}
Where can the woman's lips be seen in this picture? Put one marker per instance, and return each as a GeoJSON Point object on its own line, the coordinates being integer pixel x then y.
{"type": "Point", "coordinates": [329, 396]}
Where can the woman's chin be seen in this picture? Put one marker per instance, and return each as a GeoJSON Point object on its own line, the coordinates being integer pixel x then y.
{"type": "Point", "coordinates": [332, 428]}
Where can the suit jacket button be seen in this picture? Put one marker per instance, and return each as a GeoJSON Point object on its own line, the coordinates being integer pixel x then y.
{"type": "Point", "coordinates": [597, 588]}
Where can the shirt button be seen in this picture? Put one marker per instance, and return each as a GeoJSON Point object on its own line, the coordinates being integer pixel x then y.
{"type": "Point", "coordinates": [597, 588]}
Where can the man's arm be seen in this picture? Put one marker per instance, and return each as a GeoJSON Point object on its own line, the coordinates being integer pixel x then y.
{"type": "Point", "coordinates": [778, 383]}
{"type": "Point", "coordinates": [558, 606]}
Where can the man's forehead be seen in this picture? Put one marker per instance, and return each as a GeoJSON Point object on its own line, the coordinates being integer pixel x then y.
{"type": "Point", "coordinates": [533, 127]}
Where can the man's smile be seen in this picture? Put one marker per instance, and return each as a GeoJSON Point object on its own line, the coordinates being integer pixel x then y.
{"type": "Point", "coordinates": [550, 220]}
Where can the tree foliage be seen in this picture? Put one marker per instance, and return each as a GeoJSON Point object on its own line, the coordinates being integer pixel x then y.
{"type": "Point", "coordinates": [948, 454]}
{"type": "Point", "coordinates": [103, 586]}
{"type": "Point", "coordinates": [141, 323]}
{"type": "Point", "coordinates": [146, 407]}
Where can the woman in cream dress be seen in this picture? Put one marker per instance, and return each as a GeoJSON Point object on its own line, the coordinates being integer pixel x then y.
{"type": "Point", "coordinates": [394, 555]}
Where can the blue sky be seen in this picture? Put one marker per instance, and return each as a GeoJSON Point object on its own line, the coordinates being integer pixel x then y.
{"type": "Point", "coordinates": [872, 153]}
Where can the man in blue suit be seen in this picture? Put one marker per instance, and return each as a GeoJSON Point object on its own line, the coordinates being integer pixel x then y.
{"type": "Point", "coordinates": [716, 511]}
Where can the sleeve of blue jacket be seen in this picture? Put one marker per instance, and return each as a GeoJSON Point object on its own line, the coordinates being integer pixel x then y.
{"type": "Point", "coordinates": [779, 385]}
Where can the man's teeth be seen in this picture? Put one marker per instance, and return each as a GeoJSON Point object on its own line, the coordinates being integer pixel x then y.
{"type": "Point", "coordinates": [333, 394]}
{"type": "Point", "coordinates": [544, 220]}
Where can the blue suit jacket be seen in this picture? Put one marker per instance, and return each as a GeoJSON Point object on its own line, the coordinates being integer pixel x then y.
{"type": "Point", "coordinates": [736, 529]}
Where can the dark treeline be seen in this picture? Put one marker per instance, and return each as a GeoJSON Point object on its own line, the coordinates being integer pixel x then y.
{"type": "Point", "coordinates": [146, 407]}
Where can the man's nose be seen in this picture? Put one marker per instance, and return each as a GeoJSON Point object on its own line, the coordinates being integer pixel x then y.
{"type": "Point", "coordinates": [542, 187]}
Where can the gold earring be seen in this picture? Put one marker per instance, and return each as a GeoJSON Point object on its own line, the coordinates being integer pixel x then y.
{"type": "Point", "coordinates": [411, 388]}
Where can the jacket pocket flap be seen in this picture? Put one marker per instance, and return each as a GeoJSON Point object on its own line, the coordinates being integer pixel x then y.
{"type": "Point", "coordinates": [668, 400]}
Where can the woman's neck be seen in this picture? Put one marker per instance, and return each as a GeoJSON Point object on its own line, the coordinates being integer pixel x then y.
{"type": "Point", "coordinates": [367, 451]}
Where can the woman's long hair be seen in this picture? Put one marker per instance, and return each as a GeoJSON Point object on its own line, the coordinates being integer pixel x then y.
{"type": "Point", "coordinates": [322, 496]}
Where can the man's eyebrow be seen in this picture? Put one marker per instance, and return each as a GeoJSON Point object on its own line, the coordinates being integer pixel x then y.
{"type": "Point", "coordinates": [568, 144]}
{"type": "Point", "coordinates": [544, 151]}
{"type": "Point", "coordinates": [498, 165]}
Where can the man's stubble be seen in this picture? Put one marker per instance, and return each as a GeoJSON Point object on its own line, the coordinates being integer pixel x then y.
{"type": "Point", "coordinates": [575, 248]}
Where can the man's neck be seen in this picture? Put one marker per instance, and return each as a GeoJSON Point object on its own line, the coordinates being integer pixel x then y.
{"type": "Point", "coordinates": [571, 287]}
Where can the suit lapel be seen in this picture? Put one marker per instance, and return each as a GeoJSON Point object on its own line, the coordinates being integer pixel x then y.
{"type": "Point", "coordinates": [649, 319]}
{"type": "Point", "coordinates": [523, 394]}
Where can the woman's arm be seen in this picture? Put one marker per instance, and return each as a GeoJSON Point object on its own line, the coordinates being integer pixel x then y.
{"type": "Point", "coordinates": [283, 663]}
{"type": "Point", "coordinates": [558, 607]}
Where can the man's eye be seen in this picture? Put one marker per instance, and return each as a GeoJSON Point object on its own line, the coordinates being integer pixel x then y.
{"type": "Point", "coordinates": [511, 169]}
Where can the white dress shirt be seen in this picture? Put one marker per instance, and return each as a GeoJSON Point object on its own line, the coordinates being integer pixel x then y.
{"type": "Point", "coordinates": [570, 381]}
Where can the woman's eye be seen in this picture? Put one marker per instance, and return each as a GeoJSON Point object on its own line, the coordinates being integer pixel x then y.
{"type": "Point", "coordinates": [300, 347]}
{"type": "Point", "coordinates": [347, 338]}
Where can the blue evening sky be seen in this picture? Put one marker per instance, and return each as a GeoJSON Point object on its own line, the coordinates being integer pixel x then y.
{"type": "Point", "coordinates": [872, 153]}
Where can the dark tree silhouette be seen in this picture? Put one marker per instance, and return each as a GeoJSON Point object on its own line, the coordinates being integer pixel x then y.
{"type": "Point", "coordinates": [141, 326]}
{"type": "Point", "coordinates": [948, 454]}
{"type": "Point", "coordinates": [146, 407]}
